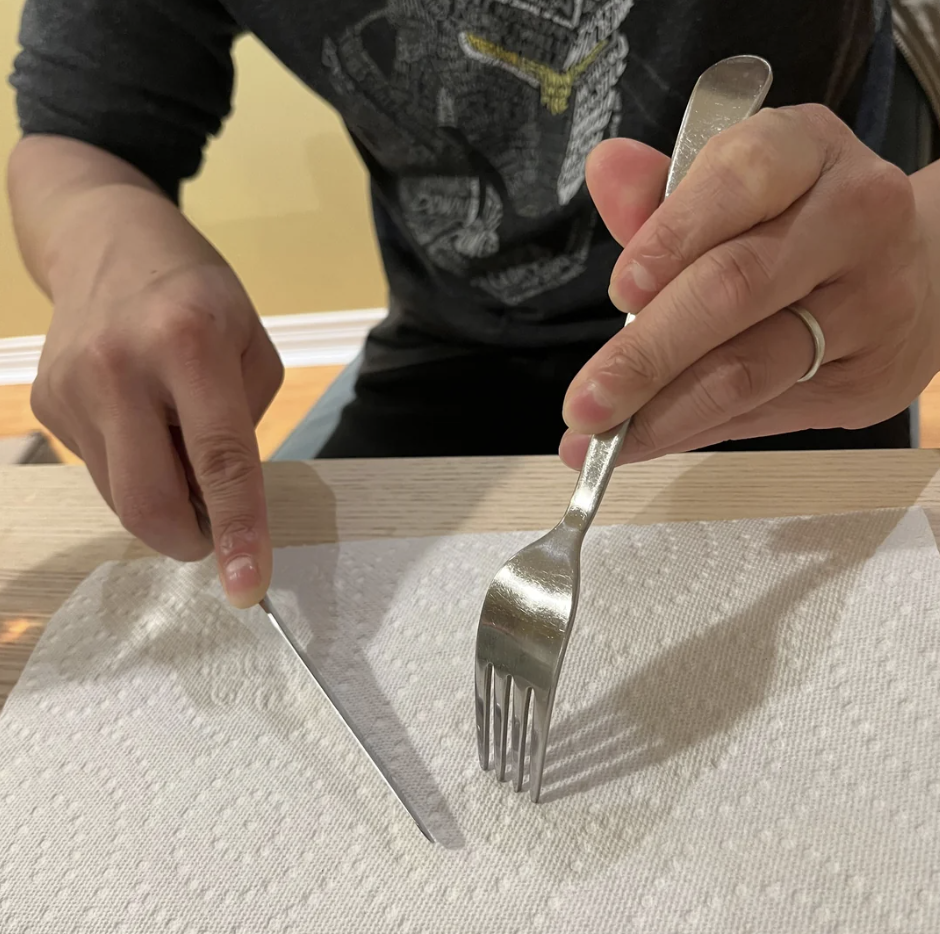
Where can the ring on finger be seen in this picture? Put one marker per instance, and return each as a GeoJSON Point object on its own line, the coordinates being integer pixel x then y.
{"type": "Point", "coordinates": [819, 340]}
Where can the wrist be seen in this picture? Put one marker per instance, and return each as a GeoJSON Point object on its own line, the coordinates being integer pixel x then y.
{"type": "Point", "coordinates": [118, 237]}
{"type": "Point", "coordinates": [87, 220]}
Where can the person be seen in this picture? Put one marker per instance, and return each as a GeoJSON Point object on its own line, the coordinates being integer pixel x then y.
{"type": "Point", "coordinates": [517, 150]}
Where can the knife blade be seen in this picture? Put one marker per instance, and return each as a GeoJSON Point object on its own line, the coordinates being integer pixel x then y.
{"type": "Point", "coordinates": [337, 706]}
{"type": "Point", "coordinates": [205, 526]}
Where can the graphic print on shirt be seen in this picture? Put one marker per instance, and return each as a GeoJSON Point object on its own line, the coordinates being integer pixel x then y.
{"type": "Point", "coordinates": [511, 96]}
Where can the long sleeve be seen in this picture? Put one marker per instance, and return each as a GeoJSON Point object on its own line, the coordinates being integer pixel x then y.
{"type": "Point", "coordinates": [147, 80]}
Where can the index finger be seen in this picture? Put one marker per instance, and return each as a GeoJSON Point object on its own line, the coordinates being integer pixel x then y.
{"type": "Point", "coordinates": [748, 174]}
{"type": "Point", "coordinates": [218, 431]}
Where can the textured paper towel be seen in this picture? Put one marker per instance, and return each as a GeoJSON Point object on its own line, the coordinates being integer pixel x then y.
{"type": "Point", "coordinates": [746, 740]}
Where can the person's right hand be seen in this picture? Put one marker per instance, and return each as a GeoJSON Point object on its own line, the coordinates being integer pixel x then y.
{"type": "Point", "coordinates": [158, 384]}
{"type": "Point", "coordinates": [156, 367]}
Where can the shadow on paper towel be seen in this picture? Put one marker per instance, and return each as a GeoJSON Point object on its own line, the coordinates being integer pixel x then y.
{"type": "Point", "coordinates": [337, 629]}
{"type": "Point", "coordinates": [678, 712]}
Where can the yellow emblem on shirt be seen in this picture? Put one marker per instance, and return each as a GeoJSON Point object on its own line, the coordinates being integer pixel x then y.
{"type": "Point", "coordinates": [555, 86]}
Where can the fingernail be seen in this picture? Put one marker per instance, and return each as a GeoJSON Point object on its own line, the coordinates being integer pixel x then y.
{"type": "Point", "coordinates": [242, 576]}
{"type": "Point", "coordinates": [618, 300]}
{"type": "Point", "coordinates": [643, 279]}
{"type": "Point", "coordinates": [572, 449]}
{"type": "Point", "coordinates": [600, 397]}
{"type": "Point", "coordinates": [635, 275]}
{"type": "Point", "coordinates": [588, 406]}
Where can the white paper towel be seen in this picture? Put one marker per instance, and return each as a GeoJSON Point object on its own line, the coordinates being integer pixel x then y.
{"type": "Point", "coordinates": [747, 739]}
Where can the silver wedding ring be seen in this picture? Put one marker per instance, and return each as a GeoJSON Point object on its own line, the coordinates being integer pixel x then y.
{"type": "Point", "coordinates": [819, 340]}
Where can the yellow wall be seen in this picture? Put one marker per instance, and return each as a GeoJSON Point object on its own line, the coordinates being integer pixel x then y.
{"type": "Point", "coordinates": [283, 195]}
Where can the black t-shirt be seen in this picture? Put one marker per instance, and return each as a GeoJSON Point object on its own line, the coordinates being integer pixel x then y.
{"type": "Point", "coordinates": [474, 118]}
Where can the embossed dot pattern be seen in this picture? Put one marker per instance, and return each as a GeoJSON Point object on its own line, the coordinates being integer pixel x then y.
{"type": "Point", "coordinates": [746, 739]}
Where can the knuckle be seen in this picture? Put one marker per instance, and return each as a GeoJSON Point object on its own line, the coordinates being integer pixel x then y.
{"type": "Point", "coordinates": [819, 124]}
{"type": "Point", "coordinates": [107, 357]}
{"type": "Point", "coordinates": [861, 409]}
{"type": "Point", "coordinates": [40, 399]}
{"type": "Point", "coordinates": [820, 115]}
{"type": "Point", "coordinates": [160, 518]}
{"type": "Point", "coordinates": [185, 330]}
{"type": "Point", "coordinates": [263, 385]}
{"type": "Point", "coordinates": [845, 398]}
{"type": "Point", "coordinates": [645, 436]}
{"type": "Point", "coordinates": [728, 379]}
{"type": "Point", "coordinates": [279, 372]}
{"type": "Point", "coordinates": [188, 549]}
{"type": "Point", "coordinates": [143, 511]}
{"type": "Point", "coordinates": [743, 162]}
{"type": "Point", "coordinates": [273, 378]}
{"type": "Point", "coordinates": [234, 531]}
{"type": "Point", "coordinates": [667, 243]}
{"type": "Point", "coordinates": [853, 420]}
{"type": "Point", "coordinates": [52, 400]}
{"type": "Point", "coordinates": [840, 380]}
{"type": "Point", "coordinates": [634, 363]}
{"type": "Point", "coordinates": [886, 192]}
{"type": "Point", "coordinates": [732, 275]}
{"type": "Point", "coordinates": [907, 294]}
{"type": "Point", "coordinates": [225, 463]}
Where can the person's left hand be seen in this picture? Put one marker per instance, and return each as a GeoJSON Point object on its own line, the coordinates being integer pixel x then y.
{"type": "Point", "coordinates": [786, 207]}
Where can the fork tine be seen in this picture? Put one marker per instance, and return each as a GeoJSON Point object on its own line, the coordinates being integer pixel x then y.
{"type": "Point", "coordinates": [484, 681]}
{"type": "Point", "coordinates": [541, 721]}
{"type": "Point", "coordinates": [520, 713]}
{"type": "Point", "coordinates": [501, 722]}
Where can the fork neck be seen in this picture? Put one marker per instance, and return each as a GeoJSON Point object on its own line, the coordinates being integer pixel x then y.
{"type": "Point", "coordinates": [592, 482]}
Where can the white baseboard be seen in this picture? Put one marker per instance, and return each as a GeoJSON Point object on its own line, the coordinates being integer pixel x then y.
{"type": "Point", "coordinates": [329, 338]}
{"type": "Point", "coordinates": [18, 359]}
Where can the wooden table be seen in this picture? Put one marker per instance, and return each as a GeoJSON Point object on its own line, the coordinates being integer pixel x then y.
{"type": "Point", "coordinates": [54, 529]}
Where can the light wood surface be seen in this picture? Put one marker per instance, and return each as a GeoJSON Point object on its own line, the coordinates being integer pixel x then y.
{"type": "Point", "coordinates": [54, 530]}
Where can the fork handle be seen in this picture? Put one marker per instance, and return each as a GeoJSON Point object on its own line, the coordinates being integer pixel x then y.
{"type": "Point", "coordinates": [725, 94]}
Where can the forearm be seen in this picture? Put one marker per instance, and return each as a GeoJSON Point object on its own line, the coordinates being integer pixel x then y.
{"type": "Point", "coordinates": [80, 213]}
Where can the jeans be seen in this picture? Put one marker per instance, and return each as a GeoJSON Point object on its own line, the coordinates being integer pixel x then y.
{"type": "Point", "coordinates": [315, 428]}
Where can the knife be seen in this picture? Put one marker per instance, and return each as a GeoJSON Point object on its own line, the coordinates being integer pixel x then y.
{"type": "Point", "coordinates": [337, 705]}
{"type": "Point", "coordinates": [202, 518]}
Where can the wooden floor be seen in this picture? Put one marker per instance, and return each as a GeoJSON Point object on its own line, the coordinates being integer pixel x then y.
{"type": "Point", "coordinates": [302, 387]}
{"type": "Point", "coordinates": [930, 416]}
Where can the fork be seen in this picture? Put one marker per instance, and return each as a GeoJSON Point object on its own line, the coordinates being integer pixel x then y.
{"type": "Point", "coordinates": [530, 606]}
